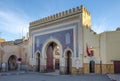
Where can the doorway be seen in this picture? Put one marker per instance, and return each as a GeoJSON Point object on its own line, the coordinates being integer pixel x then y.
{"type": "Point", "coordinates": [68, 62]}
{"type": "Point", "coordinates": [12, 62]}
{"type": "Point", "coordinates": [116, 67]}
{"type": "Point", "coordinates": [53, 55]}
{"type": "Point", "coordinates": [38, 62]}
{"type": "Point", "coordinates": [92, 66]}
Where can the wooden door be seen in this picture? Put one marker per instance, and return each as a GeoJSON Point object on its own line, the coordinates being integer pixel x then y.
{"type": "Point", "coordinates": [49, 59]}
{"type": "Point", "coordinates": [116, 66]}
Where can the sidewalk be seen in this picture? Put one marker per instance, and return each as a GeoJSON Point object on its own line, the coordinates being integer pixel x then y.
{"type": "Point", "coordinates": [114, 77]}
{"type": "Point", "coordinates": [11, 73]}
{"type": "Point", "coordinates": [52, 73]}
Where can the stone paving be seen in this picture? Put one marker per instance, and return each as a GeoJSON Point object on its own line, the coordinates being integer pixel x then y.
{"type": "Point", "coordinates": [114, 77]}
{"type": "Point", "coordinates": [11, 73]}
{"type": "Point", "coordinates": [48, 77]}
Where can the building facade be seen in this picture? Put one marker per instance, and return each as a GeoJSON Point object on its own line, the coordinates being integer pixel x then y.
{"type": "Point", "coordinates": [61, 40]}
{"type": "Point", "coordinates": [65, 43]}
{"type": "Point", "coordinates": [10, 52]}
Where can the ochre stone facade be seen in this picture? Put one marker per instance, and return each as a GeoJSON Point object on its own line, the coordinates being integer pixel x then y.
{"type": "Point", "coordinates": [106, 68]}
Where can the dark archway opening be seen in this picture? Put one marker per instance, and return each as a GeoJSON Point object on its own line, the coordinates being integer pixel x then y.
{"type": "Point", "coordinates": [68, 62]}
{"type": "Point", "coordinates": [92, 66]}
{"type": "Point", "coordinates": [12, 63]}
{"type": "Point", "coordinates": [52, 54]}
{"type": "Point", "coordinates": [38, 62]}
{"type": "Point", "coordinates": [117, 67]}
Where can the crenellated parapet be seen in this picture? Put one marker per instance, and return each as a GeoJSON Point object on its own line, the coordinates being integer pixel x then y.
{"type": "Point", "coordinates": [86, 17]}
{"type": "Point", "coordinates": [60, 15]}
{"type": "Point", "coordinates": [85, 10]}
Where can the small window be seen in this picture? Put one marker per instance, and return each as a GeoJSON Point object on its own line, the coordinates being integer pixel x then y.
{"type": "Point", "coordinates": [92, 52]}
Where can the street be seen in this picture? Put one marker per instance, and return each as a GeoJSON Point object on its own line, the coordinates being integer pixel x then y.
{"type": "Point", "coordinates": [45, 77]}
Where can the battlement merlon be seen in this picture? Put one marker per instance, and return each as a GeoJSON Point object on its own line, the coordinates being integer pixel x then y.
{"type": "Point", "coordinates": [73, 11]}
{"type": "Point", "coordinates": [86, 17]}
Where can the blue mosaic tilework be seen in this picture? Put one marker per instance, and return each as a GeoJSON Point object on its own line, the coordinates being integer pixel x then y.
{"type": "Point", "coordinates": [61, 36]}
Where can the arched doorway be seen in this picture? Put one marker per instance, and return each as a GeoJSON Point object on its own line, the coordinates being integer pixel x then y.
{"type": "Point", "coordinates": [92, 66]}
{"type": "Point", "coordinates": [12, 62]}
{"type": "Point", "coordinates": [53, 55]}
{"type": "Point", "coordinates": [68, 62]}
{"type": "Point", "coordinates": [38, 62]}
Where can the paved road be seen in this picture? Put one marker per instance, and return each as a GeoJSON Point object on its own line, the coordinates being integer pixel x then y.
{"type": "Point", "coordinates": [114, 77]}
{"type": "Point", "coordinates": [44, 77]}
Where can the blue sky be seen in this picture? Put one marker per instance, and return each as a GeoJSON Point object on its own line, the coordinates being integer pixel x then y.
{"type": "Point", "coordinates": [15, 15]}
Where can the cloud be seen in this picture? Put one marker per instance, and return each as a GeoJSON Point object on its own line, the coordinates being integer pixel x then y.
{"type": "Point", "coordinates": [13, 23]}
{"type": "Point", "coordinates": [100, 25]}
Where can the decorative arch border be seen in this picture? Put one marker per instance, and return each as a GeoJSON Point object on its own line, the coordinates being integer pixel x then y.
{"type": "Point", "coordinates": [65, 54]}
{"type": "Point", "coordinates": [45, 45]}
{"type": "Point", "coordinates": [38, 52]}
{"type": "Point", "coordinates": [68, 49]}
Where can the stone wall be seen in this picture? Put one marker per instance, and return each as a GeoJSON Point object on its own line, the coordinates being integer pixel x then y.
{"type": "Point", "coordinates": [76, 71]}
{"type": "Point", "coordinates": [106, 68]}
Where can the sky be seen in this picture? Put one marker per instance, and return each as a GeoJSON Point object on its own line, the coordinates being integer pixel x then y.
{"type": "Point", "coordinates": [15, 15]}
